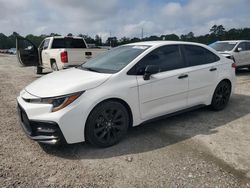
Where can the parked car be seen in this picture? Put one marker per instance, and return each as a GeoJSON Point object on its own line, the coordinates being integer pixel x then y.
{"type": "Point", "coordinates": [128, 85]}
{"type": "Point", "coordinates": [12, 51]}
{"type": "Point", "coordinates": [237, 50]}
{"type": "Point", "coordinates": [55, 53]}
{"type": "Point", "coordinates": [3, 51]}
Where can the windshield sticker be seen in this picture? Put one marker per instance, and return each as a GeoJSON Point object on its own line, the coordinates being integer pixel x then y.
{"type": "Point", "coordinates": [232, 42]}
{"type": "Point", "coordinates": [140, 47]}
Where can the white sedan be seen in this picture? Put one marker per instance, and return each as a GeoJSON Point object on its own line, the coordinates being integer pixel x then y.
{"type": "Point", "coordinates": [126, 86]}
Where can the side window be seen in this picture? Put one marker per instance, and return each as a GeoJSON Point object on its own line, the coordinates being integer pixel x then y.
{"type": "Point", "coordinates": [248, 46]}
{"type": "Point", "coordinates": [166, 57]}
{"type": "Point", "coordinates": [242, 46]}
{"type": "Point", "coordinates": [197, 55]}
{"type": "Point", "coordinates": [46, 44]}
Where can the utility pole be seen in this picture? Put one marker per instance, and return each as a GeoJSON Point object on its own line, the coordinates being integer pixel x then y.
{"type": "Point", "coordinates": [142, 33]}
{"type": "Point", "coordinates": [110, 38]}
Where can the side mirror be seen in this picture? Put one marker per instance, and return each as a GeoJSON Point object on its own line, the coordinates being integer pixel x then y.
{"type": "Point", "coordinates": [149, 70]}
{"type": "Point", "coordinates": [239, 49]}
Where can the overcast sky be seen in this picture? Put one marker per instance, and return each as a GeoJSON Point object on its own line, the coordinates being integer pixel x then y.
{"type": "Point", "coordinates": [121, 17]}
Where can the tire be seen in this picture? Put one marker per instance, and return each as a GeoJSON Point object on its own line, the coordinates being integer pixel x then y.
{"type": "Point", "coordinates": [39, 70]}
{"type": "Point", "coordinates": [54, 66]}
{"type": "Point", "coordinates": [221, 95]}
{"type": "Point", "coordinates": [107, 124]}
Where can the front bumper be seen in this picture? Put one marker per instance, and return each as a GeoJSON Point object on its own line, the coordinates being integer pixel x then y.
{"type": "Point", "coordinates": [47, 132]}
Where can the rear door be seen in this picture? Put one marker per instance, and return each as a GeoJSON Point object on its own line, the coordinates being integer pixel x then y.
{"type": "Point", "coordinates": [202, 75]}
{"type": "Point", "coordinates": [27, 52]}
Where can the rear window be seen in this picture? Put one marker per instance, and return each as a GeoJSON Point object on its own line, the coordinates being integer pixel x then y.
{"type": "Point", "coordinates": [197, 55]}
{"type": "Point", "coordinates": [68, 43]}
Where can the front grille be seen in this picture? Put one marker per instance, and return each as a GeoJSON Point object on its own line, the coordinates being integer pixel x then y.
{"type": "Point", "coordinates": [24, 120]}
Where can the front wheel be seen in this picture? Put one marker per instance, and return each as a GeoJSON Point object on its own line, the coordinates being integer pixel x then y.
{"type": "Point", "coordinates": [221, 96]}
{"type": "Point", "coordinates": [107, 124]}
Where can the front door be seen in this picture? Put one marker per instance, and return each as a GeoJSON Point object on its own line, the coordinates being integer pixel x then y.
{"type": "Point", "coordinates": [242, 57]}
{"type": "Point", "coordinates": [166, 91]}
{"type": "Point", "coordinates": [45, 53]}
{"type": "Point", "coordinates": [27, 52]}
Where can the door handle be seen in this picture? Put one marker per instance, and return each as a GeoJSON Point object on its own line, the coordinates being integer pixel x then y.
{"type": "Point", "coordinates": [213, 69]}
{"type": "Point", "coordinates": [183, 76]}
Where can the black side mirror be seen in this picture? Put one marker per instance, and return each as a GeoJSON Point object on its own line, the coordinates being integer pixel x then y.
{"type": "Point", "coordinates": [149, 70]}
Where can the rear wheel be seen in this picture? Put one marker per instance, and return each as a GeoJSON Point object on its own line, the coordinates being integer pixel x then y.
{"type": "Point", "coordinates": [221, 96]}
{"type": "Point", "coordinates": [54, 66]}
{"type": "Point", "coordinates": [107, 124]}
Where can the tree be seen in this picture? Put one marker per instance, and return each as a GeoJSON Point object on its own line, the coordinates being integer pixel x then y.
{"type": "Point", "coordinates": [87, 39]}
{"type": "Point", "coordinates": [70, 35]}
{"type": "Point", "coordinates": [112, 41]}
{"type": "Point", "coordinates": [170, 37]}
{"type": "Point", "coordinates": [217, 30]}
{"type": "Point", "coordinates": [190, 35]}
{"type": "Point", "coordinates": [98, 40]}
{"type": "Point", "coordinates": [124, 40]}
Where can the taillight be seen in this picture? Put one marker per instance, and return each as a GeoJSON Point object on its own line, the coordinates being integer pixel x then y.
{"type": "Point", "coordinates": [234, 65]}
{"type": "Point", "coordinates": [64, 57]}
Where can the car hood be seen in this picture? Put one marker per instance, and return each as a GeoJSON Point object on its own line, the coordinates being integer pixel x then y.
{"type": "Point", "coordinates": [66, 82]}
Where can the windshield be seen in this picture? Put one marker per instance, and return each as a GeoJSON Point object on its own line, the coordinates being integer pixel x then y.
{"type": "Point", "coordinates": [223, 46]}
{"type": "Point", "coordinates": [114, 60]}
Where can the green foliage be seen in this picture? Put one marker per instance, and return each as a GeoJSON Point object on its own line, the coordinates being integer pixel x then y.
{"type": "Point", "coordinates": [217, 32]}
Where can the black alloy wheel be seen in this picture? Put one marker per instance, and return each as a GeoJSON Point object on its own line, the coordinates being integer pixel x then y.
{"type": "Point", "coordinates": [221, 95]}
{"type": "Point", "coordinates": [107, 124]}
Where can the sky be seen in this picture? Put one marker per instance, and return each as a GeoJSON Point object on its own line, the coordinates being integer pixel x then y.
{"type": "Point", "coordinates": [121, 17]}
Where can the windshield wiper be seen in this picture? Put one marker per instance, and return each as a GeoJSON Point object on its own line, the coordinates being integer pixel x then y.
{"type": "Point", "coordinates": [89, 69]}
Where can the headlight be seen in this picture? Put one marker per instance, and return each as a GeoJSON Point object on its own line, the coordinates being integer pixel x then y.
{"type": "Point", "coordinates": [58, 103]}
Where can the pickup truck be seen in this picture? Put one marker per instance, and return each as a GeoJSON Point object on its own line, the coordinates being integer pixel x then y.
{"type": "Point", "coordinates": [55, 53]}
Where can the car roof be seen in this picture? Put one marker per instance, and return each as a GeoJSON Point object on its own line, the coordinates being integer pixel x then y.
{"type": "Point", "coordinates": [62, 37]}
{"type": "Point", "coordinates": [161, 43]}
{"type": "Point", "coordinates": [234, 41]}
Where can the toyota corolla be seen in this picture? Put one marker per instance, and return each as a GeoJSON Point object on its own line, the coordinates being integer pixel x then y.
{"type": "Point", "coordinates": [99, 100]}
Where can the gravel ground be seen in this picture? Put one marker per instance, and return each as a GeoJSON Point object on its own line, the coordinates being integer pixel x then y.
{"type": "Point", "coordinates": [196, 149]}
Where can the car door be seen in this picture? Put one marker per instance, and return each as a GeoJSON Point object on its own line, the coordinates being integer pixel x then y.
{"type": "Point", "coordinates": [27, 52]}
{"type": "Point", "coordinates": [242, 54]}
{"type": "Point", "coordinates": [166, 91]}
{"type": "Point", "coordinates": [45, 53]}
{"type": "Point", "coordinates": [203, 73]}
{"type": "Point", "coordinates": [248, 54]}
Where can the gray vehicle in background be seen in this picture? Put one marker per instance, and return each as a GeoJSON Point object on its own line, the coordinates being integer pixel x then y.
{"type": "Point", "coordinates": [237, 50]}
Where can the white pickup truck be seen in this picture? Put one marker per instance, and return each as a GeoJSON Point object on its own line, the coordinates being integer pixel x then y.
{"type": "Point", "coordinates": [55, 53]}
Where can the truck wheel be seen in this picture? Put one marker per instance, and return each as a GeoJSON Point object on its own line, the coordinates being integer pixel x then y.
{"type": "Point", "coordinates": [54, 66]}
{"type": "Point", "coordinates": [39, 70]}
{"type": "Point", "coordinates": [107, 124]}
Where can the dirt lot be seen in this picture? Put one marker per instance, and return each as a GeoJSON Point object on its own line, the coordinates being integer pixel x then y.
{"type": "Point", "coordinates": [196, 149]}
